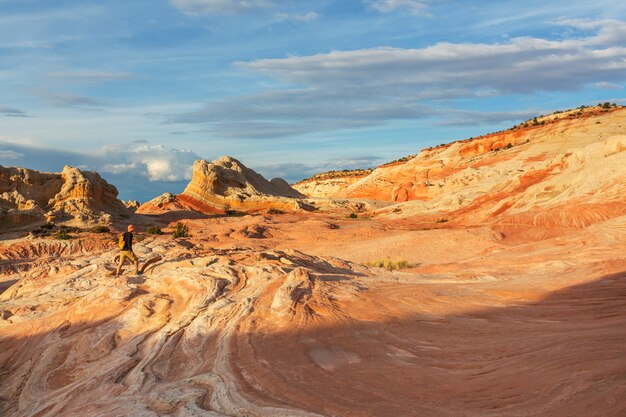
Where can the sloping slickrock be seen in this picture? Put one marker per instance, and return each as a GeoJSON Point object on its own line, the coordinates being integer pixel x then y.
{"type": "Point", "coordinates": [538, 329]}
{"type": "Point", "coordinates": [570, 173]}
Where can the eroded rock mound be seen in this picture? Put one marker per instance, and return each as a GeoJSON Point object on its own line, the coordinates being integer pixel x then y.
{"type": "Point", "coordinates": [226, 184]}
{"type": "Point", "coordinates": [82, 197]}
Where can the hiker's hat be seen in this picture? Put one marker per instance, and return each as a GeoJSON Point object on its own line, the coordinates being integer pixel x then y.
{"type": "Point", "coordinates": [131, 228]}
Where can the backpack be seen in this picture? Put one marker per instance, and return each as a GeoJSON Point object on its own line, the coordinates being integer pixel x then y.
{"type": "Point", "coordinates": [120, 242]}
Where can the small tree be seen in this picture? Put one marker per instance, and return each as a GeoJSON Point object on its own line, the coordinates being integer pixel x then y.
{"type": "Point", "coordinates": [154, 230]}
{"type": "Point", "coordinates": [181, 230]}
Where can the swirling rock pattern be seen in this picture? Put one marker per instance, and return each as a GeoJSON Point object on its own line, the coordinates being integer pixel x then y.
{"type": "Point", "coordinates": [229, 324]}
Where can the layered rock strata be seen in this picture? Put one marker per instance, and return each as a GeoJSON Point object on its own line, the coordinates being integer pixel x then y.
{"type": "Point", "coordinates": [81, 197]}
{"type": "Point", "coordinates": [226, 184]}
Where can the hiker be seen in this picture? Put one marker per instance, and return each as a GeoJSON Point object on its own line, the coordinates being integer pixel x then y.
{"type": "Point", "coordinates": [126, 250]}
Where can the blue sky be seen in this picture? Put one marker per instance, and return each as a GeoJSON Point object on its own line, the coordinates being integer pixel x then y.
{"type": "Point", "coordinates": [139, 90]}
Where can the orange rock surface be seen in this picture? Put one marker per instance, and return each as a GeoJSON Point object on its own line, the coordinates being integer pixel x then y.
{"type": "Point", "coordinates": [458, 173]}
{"type": "Point", "coordinates": [512, 303]}
{"type": "Point", "coordinates": [254, 316]}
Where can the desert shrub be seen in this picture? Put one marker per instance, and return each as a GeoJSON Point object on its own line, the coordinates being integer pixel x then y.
{"type": "Point", "coordinates": [275, 211]}
{"type": "Point", "coordinates": [390, 264]}
{"type": "Point", "coordinates": [509, 146]}
{"type": "Point", "coordinates": [70, 229]}
{"type": "Point", "coordinates": [442, 221]}
{"type": "Point", "coordinates": [180, 230]}
{"type": "Point", "coordinates": [62, 235]}
{"type": "Point", "coordinates": [352, 216]}
{"type": "Point", "coordinates": [47, 226]}
{"type": "Point", "coordinates": [154, 230]}
{"type": "Point", "coordinates": [606, 105]}
{"type": "Point", "coordinates": [100, 229]}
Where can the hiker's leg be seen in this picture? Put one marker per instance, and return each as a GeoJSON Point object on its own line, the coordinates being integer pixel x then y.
{"type": "Point", "coordinates": [119, 266]}
{"type": "Point", "coordinates": [134, 258]}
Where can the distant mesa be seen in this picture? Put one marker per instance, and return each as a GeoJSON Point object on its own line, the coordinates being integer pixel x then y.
{"type": "Point", "coordinates": [72, 196]}
{"type": "Point", "coordinates": [226, 184]}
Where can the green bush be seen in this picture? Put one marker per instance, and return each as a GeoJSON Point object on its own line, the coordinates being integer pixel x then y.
{"type": "Point", "coordinates": [181, 230]}
{"type": "Point", "coordinates": [352, 216]}
{"type": "Point", "coordinates": [390, 264]}
{"type": "Point", "coordinates": [154, 230]}
{"type": "Point", "coordinates": [62, 235]}
{"type": "Point", "coordinates": [100, 229]}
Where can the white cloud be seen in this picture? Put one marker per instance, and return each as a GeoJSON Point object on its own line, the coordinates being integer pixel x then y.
{"type": "Point", "coordinates": [219, 7]}
{"type": "Point", "coordinates": [120, 168]}
{"type": "Point", "coordinates": [386, 6]}
{"type": "Point", "coordinates": [608, 86]}
{"type": "Point", "coordinates": [298, 18]}
{"type": "Point", "coordinates": [156, 162]}
{"type": "Point", "coordinates": [10, 155]}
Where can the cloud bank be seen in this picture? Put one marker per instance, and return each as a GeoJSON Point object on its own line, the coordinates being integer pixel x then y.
{"type": "Point", "coordinates": [369, 87]}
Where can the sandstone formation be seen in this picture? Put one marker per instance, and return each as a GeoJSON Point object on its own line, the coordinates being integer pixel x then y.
{"type": "Point", "coordinates": [511, 302]}
{"type": "Point", "coordinates": [80, 197]}
{"type": "Point", "coordinates": [568, 170]}
{"type": "Point", "coordinates": [132, 205]}
{"type": "Point", "coordinates": [232, 323]}
{"type": "Point", "coordinates": [226, 184]}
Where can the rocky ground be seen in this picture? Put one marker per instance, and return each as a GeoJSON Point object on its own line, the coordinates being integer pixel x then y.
{"type": "Point", "coordinates": [278, 315]}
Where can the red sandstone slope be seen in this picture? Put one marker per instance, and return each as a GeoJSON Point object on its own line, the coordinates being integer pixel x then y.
{"type": "Point", "coordinates": [568, 172]}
